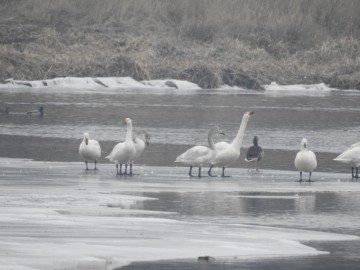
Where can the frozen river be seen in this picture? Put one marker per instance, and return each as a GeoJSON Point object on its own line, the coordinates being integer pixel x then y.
{"type": "Point", "coordinates": [54, 215]}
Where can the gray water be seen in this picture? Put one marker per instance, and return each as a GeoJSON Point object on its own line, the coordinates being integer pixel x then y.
{"type": "Point", "coordinates": [177, 120]}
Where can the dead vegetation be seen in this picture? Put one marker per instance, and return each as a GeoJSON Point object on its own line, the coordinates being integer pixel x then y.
{"type": "Point", "coordinates": [237, 42]}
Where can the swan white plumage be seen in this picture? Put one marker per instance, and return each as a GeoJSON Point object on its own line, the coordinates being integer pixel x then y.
{"type": "Point", "coordinates": [123, 152]}
{"type": "Point", "coordinates": [305, 160]}
{"type": "Point", "coordinates": [89, 150]}
{"type": "Point", "coordinates": [141, 141]}
{"type": "Point", "coordinates": [351, 156]}
{"type": "Point", "coordinates": [200, 155]}
{"type": "Point", "coordinates": [254, 153]}
{"type": "Point", "coordinates": [227, 153]}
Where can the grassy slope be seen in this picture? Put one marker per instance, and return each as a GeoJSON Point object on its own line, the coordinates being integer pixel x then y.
{"type": "Point", "coordinates": [240, 42]}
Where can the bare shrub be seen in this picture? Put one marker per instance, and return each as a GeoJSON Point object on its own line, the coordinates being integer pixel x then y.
{"type": "Point", "coordinates": [240, 78]}
{"type": "Point", "coordinates": [121, 66]}
{"type": "Point", "coordinates": [201, 31]}
{"type": "Point", "coordinates": [19, 66]}
{"type": "Point", "coordinates": [201, 75]}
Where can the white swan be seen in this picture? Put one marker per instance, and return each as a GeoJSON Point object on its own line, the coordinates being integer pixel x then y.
{"type": "Point", "coordinates": [141, 141]}
{"type": "Point", "coordinates": [227, 153]}
{"type": "Point", "coordinates": [305, 160]}
{"type": "Point", "coordinates": [200, 155]}
{"type": "Point", "coordinates": [123, 152]}
{"type": "Point", "coordinates": [89, 150]}
{"type": "Point", "coordinates": [254, 153]}
{"type": "Point", "coordinates": [351, 156]}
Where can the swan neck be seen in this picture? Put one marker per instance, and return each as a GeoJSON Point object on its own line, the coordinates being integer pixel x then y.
{"type": "Point", "coordinates": [210, 140]}
{"type": "Point", "coordinates": [240, 135]}
{"type": "Point", "coordinates": [128, 137]}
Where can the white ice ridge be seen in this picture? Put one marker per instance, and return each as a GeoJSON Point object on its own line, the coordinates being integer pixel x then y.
{"type": "Point", "coordinates": [111, 83]}
{"type": "Point", "coordinates": [321, 87]}
{"type": "Point", "coordinates": [100, 82]}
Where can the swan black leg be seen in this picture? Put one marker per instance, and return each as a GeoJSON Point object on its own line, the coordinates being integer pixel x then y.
{"type": "Point", "coordinates": [190, 171]}
{"type": "Point", "coordinates": [86, 163]}
{"type": "Point", "coordinates": [352, 172]}
{"type": "Point", "coordinates": [118, 171]}
{"type": "Point", "coordinates": [357, 173]}
{"type": "Point", "coordinates": [199, 175]}
{"type": "Point", "coordinates": [209, 172]}
{"type": "Point", "coordinates": [95, 166]}
{"type": "Point", "coordinates": [223, 173]}
{"type": "Point", "coordinates": [310, 177]}
{"type": "Point", "coordinates": [131, 173]}
{"type": "Point", "coordinates": [300, 177]}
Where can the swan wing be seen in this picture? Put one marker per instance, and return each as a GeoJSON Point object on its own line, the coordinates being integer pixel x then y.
{"type": "Point", "coordinates": [196, 155]}
{"type": "Point", "coordinates": [220, 146]}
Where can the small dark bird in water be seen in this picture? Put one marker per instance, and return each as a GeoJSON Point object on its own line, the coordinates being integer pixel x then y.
{"type": "Point", "coordinates": [255, 153]}
{"type": "Point", "coordinates": [39, 112]}
{"type": "Point", "coordinates": [206, 258]}
{"type": "Point", "coordinates": [6, 110]}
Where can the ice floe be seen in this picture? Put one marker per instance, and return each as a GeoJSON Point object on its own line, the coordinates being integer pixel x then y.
{"type": "Point", "coordinates": [52, 218]}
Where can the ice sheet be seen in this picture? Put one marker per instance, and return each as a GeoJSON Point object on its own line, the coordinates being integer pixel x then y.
{"type": "Point", "coordinates": [54, 215]}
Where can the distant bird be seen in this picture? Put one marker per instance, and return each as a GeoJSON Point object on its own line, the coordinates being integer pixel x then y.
{"type": "Point", "coordinates": [141, 141]}
{"type": "Point", "coordinates": [123, 152]}
{"type": "Point", "coordinates": [39, 112]}
{"type": "Point", "coordinates": [227, 153]}
{"type": "Point", "coordinates": [351, 156]}
{"type": "Point", "coordinates": [200, 155]}
{"type": "Point", "coordinates": [5, 111]}
{"type": "Point", "coordinates": [254, 153]}
{"type": "Point", "coordinates": [305, 160]}
{"type": "Point", "coordinates": [89, 150]}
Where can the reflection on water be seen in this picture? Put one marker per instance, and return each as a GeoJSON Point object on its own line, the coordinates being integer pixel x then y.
{"type": "Point", "coordinates": [299, 210]}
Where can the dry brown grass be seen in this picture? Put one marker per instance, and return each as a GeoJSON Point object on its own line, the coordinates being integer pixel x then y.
{"type": "Point", "coordinates": [206, 41]}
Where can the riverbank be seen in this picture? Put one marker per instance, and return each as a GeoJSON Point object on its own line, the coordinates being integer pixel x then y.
{"type": "Point", "coordinates": [55, 44]}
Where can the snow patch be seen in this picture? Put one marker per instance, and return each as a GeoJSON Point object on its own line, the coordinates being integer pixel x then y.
{"type": "Point", "coordinates": [297, 89]}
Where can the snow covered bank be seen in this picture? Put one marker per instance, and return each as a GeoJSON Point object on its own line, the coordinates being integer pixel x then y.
{"type": "Point", "coordinates": [111, 83]}
{"type": "Point", "coordinates": [297, 89]}
{"type": "Point", "coordinates": [100, 82]}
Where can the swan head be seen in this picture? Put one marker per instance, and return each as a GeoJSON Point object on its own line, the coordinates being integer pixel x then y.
{"type": "Point", "coordinates": [247, 115]}
{"type": "Point", "coordinates": [304, 144]}
{"type": "Point", "coordinates": [127, 121]}
{"type": "Point", "coordinates": [216, 129]}
{"type": "Point", "coordinates": [86, 138]}
{"type": "Point", "coordinates": [142, 135]}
